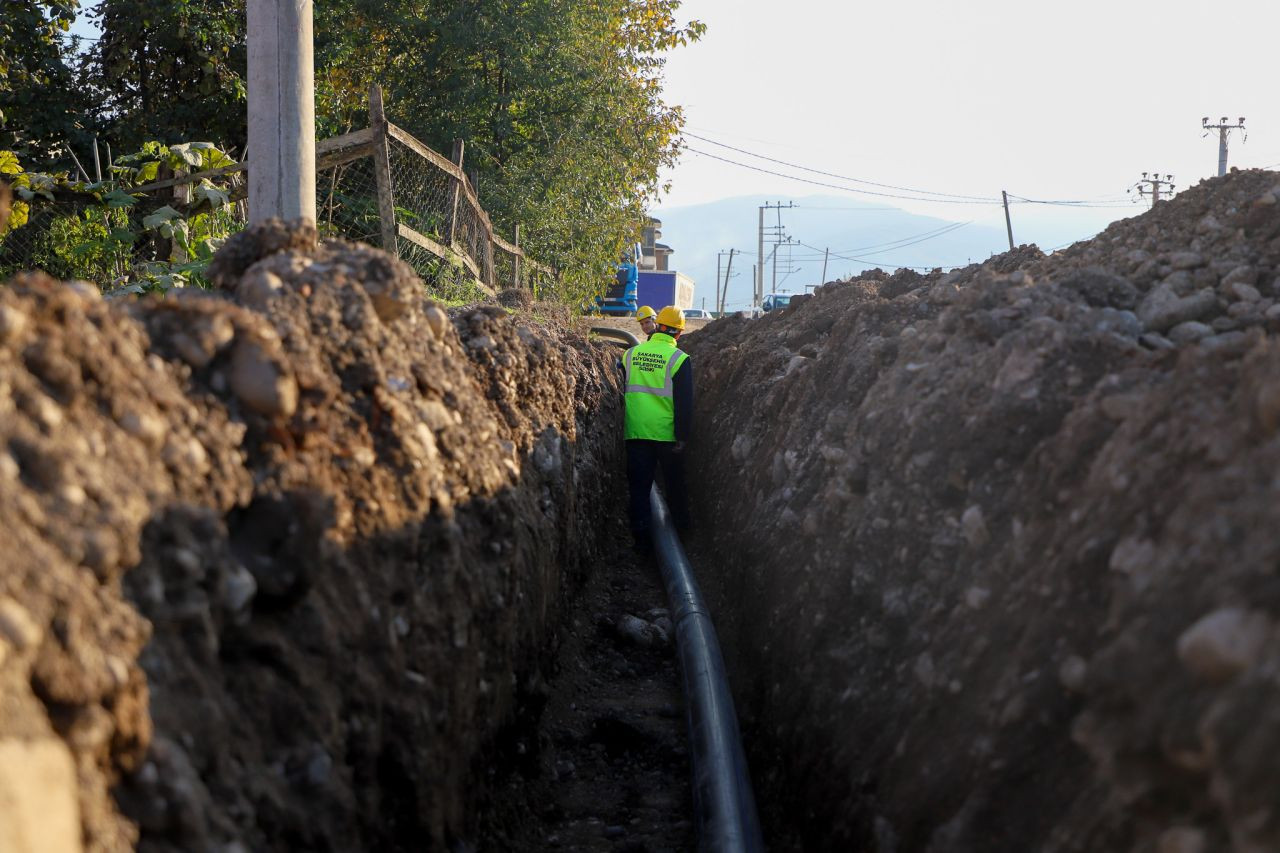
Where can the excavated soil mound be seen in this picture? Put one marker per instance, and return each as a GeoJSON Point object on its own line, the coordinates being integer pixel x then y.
{"type": "Point", "coordinates": [995, 550]}
{"type": "Point", "coordinates": [279, 563]}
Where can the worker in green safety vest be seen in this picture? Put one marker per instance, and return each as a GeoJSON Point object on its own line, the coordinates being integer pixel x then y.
{"type": "Point", "coordinates": [659, 418]}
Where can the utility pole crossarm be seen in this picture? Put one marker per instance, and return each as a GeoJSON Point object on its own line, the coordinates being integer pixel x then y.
{"type": "Point", "coordinates": [1155, 189]}
{"type": "Point", "coordinates": [778, 239]}
{"type": "Point", "coordinates": [1224, 130]}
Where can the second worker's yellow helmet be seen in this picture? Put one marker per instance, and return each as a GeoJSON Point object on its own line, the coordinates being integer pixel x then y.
{"type": "Point", "coordinates": [645, 312]}
{"type": "Point", "coordinates": [671, 317]}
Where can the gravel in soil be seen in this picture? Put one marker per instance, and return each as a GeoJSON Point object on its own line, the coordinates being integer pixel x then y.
{"type": "Point", "coordinates": [600, 762]}
{"type": "Point", "coordinates": [997, 547]}
{"type": "Point", "coordinates": [279, 560]}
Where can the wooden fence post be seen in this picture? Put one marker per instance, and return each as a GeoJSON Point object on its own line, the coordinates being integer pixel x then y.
{"type": "Point", "coordinates": [162, 247]}
{"type": "Point", "coordinates": [515, 260]}
{"type": "Point", "coordinates": [459, 147]}
{"type": "Point", "coordinates": [181, 198]}
{"type": "Point", "coordinates": [382, 170]}
{"type": "Point", "coordinates": [491, 266]}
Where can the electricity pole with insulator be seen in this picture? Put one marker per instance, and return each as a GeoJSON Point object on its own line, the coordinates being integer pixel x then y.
{"type": "Point", "coordinates": [1224, 130]}
{"type": "Point", "coordinates": [1151, 186]}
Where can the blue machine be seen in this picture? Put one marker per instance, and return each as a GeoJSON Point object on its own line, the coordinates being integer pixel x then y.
{"type": "Point", "coordinates": [620, 298]}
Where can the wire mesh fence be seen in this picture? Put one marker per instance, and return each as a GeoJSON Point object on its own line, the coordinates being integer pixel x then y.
{"type": "Point", "coordinates": [434, 222]}
{"type": "Point", "coordinates": [423, 194]}
{"type": "Point", "coordinates": [58, 238]}
{"type": "Point", "coordinates": [347, 201]}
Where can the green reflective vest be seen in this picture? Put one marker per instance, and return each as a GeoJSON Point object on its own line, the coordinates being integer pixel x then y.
{"type": "Point", "coordinates": [650, 398]}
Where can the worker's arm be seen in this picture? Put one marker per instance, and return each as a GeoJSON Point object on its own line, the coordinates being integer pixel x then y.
{"type": "Point", "coordinates": [682, 389]}
{"type": "Point", "coordinates": [622, 365]}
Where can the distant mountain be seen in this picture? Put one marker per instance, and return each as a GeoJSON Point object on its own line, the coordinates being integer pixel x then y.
{"type": "Point", "coordinates": [860, 236]}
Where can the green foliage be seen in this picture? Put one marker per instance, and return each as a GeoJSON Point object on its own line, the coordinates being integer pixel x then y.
{"type": "Point", "coordinates": [100, 231]}
{"type": "Point", "coordinates": [42, 110]}
{"type": "Point", "coordinates": [560, 103]}
{"type": "Point", "coordinates": [560, 106]}
{"type": "Point", "coordinates": [171, 69]}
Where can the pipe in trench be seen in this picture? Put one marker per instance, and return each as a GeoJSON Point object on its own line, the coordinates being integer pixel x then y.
{"type": "Point", "coordinates": [724, 806]}
{"type": "Point", "coordinates": [620, 335]}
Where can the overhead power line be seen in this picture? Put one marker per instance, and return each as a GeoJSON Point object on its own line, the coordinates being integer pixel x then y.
{"type": "Point", "coordinates": [953, 198]}
{"type": "Point", "coordinates": [838, 176]}
{"type": "Point", "coordinates": [1104, 202]}
{"type": "Point", "coordinates": [911, 241]}
{"type": "Point", "coordinates": [874, 263]}
{"type": "Point", "coordinates": [895, 244]}
{"type": "Point", "coordinates": [830, 185]}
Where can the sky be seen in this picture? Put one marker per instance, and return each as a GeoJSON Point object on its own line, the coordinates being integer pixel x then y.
{"type": "Point", "coordinates": [83, 26]}
{"type": "Point", "coordinates": [1047, 101]}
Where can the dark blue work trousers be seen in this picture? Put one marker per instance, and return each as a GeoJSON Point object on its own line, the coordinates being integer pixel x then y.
{"type": "Point", "coordinates": [644, 458]}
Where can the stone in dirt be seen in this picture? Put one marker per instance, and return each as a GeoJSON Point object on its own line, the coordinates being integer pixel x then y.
{"type": "Point", "coordinates": [1110, 643]}
{"type": "Point", "coordinates": [38, 809]}
{"type": "Point", "coordinates": [1224, 643]}
{"type": "Point", "coordinates": [248, 579]}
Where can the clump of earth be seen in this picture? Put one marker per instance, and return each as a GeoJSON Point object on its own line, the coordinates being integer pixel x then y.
{"type": "Point", "coordinates": [995, 549]}
{"type": "Point", "coordinates": [280, 561]}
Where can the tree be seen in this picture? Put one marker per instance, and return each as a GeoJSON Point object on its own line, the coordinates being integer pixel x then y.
{"type": "Point", "coordinates": [559, 101]}
{"type": "Point", "coordinates": [172, 71]}
{"type": "Point", "coordinates": [41, 111]}
{"type": "Point", "coordinates": [560, 104]}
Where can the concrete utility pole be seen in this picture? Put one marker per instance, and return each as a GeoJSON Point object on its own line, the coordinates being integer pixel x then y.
{"type": "Point", "coordinates": [1224, 130]}
{"type": "Point", "coordinates": [282, 110]}
{"type": "Point", "coordinates": [722, 293]}
{"type": "Point", "coordinates": [1008, 223]}
{"type": "Point", "coordinates": [781, 242]}
{"type": "Point", "coordinates": [826, 253]}
{"type": "Point", "coordinates": [719, 255]}
{"type": "Point", "coordinates": [1155, 184]}
{"type": "Point", "coordinates": [777, 239]}
{"type": "Point", "coordinates": [759, 268]}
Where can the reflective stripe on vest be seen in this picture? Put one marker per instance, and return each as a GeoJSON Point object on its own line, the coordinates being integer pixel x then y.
{"type": "Point", "coordinates": [650, 389]}
{"type": "Point", "coordinates": [668, 381]}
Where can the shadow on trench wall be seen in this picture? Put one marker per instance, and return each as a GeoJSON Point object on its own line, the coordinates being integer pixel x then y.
{"type": "Point", "coordinates": [342, 706]}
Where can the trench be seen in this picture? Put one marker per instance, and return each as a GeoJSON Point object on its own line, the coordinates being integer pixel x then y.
{"type": "Point", "coordinates": [392, 608]}
{"type": "Point", "coordinates": [597, 758]}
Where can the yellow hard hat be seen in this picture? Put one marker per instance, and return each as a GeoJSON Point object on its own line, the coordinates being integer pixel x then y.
{"type": "Point", "coordinates": [645, 312]}
{"type": "Point", "coordinates": [671, 317]}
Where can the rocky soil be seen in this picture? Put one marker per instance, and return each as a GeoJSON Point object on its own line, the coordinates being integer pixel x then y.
{"type": "Point", "coordinates": [280, 563]}
{"type": "Point", "coordinates": [996, 549]}
{"type": "Point", "coordinates": [598, 760]}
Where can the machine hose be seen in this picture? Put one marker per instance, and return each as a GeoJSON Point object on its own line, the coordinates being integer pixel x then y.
{"type": "Point", "coordinates": [619, 334]}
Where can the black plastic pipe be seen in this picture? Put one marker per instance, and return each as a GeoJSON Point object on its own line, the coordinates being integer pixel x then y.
{"type": "Point", "coordinates": [610, 332]}
{"type": "Point", "coordinates": [724, 807]}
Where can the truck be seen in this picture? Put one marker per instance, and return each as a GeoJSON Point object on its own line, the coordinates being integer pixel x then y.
{"type": "Point", "coordinates": [620, 298]}
{"type": "Point", "coordinates": [776, 300]}
{"type": "Point", "coordinates": [660, 288]}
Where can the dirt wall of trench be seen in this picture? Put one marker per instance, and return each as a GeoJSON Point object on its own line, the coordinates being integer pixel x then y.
{"type": "Point", "coordinates": [279, 562]}
{"type": "Point", "coordinates": [995, 552]}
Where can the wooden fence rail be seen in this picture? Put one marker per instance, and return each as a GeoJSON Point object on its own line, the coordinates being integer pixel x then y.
{"type": "Point", "coordinates": [378, 184]}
